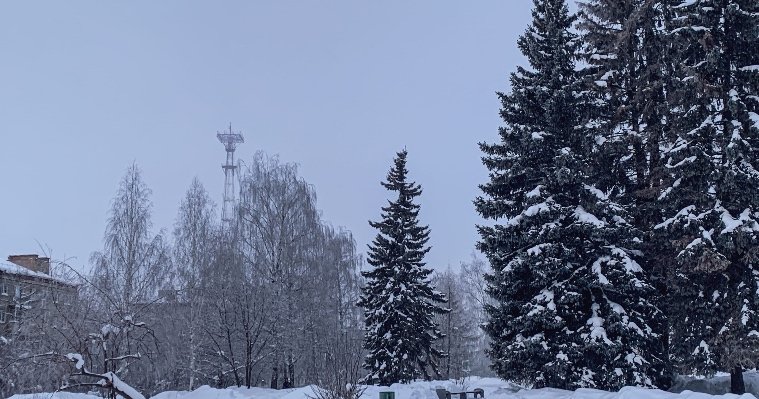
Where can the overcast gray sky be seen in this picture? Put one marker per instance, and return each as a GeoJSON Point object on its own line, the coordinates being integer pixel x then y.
{"type": "Point", "coordinates": [88, 87]}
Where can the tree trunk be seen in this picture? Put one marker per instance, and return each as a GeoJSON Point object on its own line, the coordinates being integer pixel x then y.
{"type": "Point", "coordinates": [291, 372]}
{"type": "Point", "coordinates": [193, 350]}
{"type": "Point", "coordinates": [737, 385]}
{"type": "Point", "coordinates": [287, 382]}
{"type": "Point", "coordinates": [220, 380]}
{"type": "Point", "coordinates": [192, 365]}
{"type": "Point", "coordinates": [274, 376]}
{"type": "Point", "coordinates": [248, 356]}
{"type": "Point", "coordinates": [450, 332]}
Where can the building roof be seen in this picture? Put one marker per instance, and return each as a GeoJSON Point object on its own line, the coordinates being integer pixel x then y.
{"type": "Point", "coordinates": [10, 268]}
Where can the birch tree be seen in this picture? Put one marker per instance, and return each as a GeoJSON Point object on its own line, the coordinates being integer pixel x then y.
{"type": "Point", "coordinates": [193, 254]}
{"type": "Point", "coordinates": [278, 223]}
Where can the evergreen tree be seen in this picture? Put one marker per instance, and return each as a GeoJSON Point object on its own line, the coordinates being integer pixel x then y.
{"type": "Point", "coordinates": [398, 299]}
{"type": "Point", "coordinates": [571, 304]}
{"type": "Point", "coordinates": [711, 205]}
{"type": "Point", "coordinates": [626, 51]}
{"type": "Point", "coordinates": [625, 47]}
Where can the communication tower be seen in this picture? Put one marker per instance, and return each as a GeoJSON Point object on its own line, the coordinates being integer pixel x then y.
{"type": "Point", "coordinates": [230, 141]}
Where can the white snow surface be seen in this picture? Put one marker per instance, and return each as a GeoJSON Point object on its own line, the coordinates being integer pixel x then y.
{"type": "Point", "coordinates": [56, 395]}
{"type": "Point", "coordinates": [121, 386]}
{"type": "Point", "coordinates": [494, 389]}
{"type": "Point", "coordinates": [584, 216]}
{"type": "Point", "coordinates": [75, 357]}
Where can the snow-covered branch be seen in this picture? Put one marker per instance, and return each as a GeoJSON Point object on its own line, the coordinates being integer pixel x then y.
{"type": "Point", "coordinates": [107, 380]}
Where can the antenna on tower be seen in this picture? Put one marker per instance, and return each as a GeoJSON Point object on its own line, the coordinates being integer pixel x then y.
{"type": "Point", "coordinates": [230, 141]}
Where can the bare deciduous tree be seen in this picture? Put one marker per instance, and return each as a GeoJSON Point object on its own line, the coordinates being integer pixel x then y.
{"type": "Point", "coordinates": [271, 297]}
{"type": "Point", "coordinates": [193, 250]}
{"type": "Point", "coordinates": [133, 263]}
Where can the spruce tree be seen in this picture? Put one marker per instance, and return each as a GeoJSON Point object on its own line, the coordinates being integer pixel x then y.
{"type": "Point", "coordinates": [711, 206]}
{"type": "Point", "coordinates": [399, 300]}
{"type": "Point", "coordinates": [625, 46]}
{"type": "Point", "coordinates": [626, 50]}
{"type": "Point", "coordinates": [571, 304]}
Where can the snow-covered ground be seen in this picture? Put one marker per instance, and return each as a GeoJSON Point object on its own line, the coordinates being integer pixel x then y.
{"type": "Point", "coordinates": [494, 389]}
{"type": "Point", "coordinates": [718, 384]}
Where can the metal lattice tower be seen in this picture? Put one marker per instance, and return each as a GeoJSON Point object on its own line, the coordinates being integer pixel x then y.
{"type": "Point", "coordinates": [230, 141]}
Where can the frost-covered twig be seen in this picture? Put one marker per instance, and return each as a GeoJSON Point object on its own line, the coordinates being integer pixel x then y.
{"type": "Point", "coordinates": [23, 358]}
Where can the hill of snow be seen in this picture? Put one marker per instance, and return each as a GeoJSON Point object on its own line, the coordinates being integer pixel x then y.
{"type": "Point", "coordinates": [494, 389]}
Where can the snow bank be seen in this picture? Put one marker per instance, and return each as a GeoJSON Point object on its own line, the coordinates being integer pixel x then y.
{"type": "Point", "coordinates": [494, 389]}
{"type": "Point", "coordinates": [206, 392]}
{"type": "Point", "coordinates": [414, 390]}
{"type": "Point", "coordinates": [717, 385]}
{"type": "Point", "coordinates": [56, 395]}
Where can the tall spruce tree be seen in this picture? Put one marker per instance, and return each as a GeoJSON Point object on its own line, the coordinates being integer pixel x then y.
{"type": "Point", "coordinates": [398, 299]}
{"type": "Point", "coordinates": [625, 46]}
{"type": "Point", "coordinates": [711, 205]}
{"type": "Point", "coordinates": [626, 51]}
{"type": "Point", "coordinates": [571, 304]}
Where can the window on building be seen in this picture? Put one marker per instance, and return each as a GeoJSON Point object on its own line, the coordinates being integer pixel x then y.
{"type": "Point", "coordinates": [18, 291]}
{"type": "Point", "coordinates": [4, 289]}
{"type": "Point", "coordinates": [11, 314]}
{"type": "Point", "coordinates": [2, 315]}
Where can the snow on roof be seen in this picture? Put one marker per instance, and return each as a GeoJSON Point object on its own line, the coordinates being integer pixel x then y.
{"type": "Point", "coordinates": [10, 268]}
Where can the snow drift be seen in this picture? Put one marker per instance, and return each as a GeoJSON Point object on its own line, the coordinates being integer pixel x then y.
{"type": "Point", "coordinates": [494, 389]}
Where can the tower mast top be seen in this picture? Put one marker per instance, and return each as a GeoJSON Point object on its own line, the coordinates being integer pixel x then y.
{"type": "Point", "coordinates": [230, 139]}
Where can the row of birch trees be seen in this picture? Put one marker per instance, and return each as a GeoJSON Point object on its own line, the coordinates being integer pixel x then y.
{"type": "Point", "coordinates": [266, 300]}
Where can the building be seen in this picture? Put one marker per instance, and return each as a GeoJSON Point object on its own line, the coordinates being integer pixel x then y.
{"type": "Point", "coordinates": [26, 286]}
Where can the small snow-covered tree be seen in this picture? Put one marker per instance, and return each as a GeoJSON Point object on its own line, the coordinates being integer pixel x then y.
{"type": "Point", "coordinates": [399, 300]}
{"type": "Point", "coordinates": [572, 307]}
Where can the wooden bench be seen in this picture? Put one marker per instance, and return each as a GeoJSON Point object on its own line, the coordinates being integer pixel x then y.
{"type": "Point", "coordinates": [446, 394]}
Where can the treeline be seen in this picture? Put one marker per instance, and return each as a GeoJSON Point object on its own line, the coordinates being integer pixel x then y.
{"type": "Point", "coordinates": [625, 194]}
{"type": "Point", "coordinates": [268, 298]}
